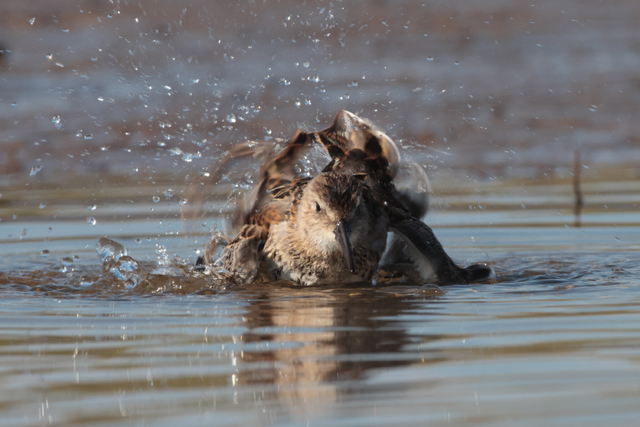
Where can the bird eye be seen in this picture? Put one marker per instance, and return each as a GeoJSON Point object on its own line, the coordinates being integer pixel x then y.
{"type": "Point", "coordinates": [317, 207]}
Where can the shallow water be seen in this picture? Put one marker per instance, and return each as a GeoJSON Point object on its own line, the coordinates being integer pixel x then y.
{"type": "Point", "coordinates": [110, 109]}
{"type": "Point", "coordinates": [553, 341]}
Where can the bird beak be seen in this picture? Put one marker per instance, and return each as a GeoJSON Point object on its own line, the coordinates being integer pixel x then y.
{"type": "Point", "coordinates": [342, 232]}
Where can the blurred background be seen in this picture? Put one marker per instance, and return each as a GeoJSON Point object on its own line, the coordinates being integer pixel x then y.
{"type": "Point", "coordinates": [155, 89]}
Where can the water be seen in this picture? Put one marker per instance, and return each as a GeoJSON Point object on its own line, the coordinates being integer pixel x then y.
{"type": "Point", "coordinates": [114, 115]}
{"type": "Point", "coordinates": [553, 341]}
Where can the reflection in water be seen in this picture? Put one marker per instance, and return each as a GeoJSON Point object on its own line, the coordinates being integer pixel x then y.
{"type": "Point", "coordinates": [552, 341]}
{"type": "Point", "coordinates": [318, 339]}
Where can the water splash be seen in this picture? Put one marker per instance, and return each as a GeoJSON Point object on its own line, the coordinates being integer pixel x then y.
{"type": "Point", "coordinates": [126, 269]}
{"type": "Point", "coordinates": [108, 248]}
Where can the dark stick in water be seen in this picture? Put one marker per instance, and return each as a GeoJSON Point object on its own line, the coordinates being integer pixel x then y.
{"type": "Point", "coordinates": [577, 191]}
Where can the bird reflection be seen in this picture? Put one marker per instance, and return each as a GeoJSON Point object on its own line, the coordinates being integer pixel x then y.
{"type": "Point", "coordinates": [317, 341]}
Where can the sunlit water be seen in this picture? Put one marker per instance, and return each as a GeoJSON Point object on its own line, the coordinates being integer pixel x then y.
{"type": "Point", "coordinates": [107, 105]}
{"type": "Point", "coordinates": [555, 340]}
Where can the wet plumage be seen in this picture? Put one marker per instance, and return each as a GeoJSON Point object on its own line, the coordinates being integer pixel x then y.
{"type": "Point", "coordinates": [332, 228]}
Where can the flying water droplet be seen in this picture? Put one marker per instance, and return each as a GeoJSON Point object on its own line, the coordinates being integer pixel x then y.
{"type": "Point", "coordinates": [91, 220]}
{"type": "Point", "coordinates": [42, 206]}
{"type": "Point", "coordinates": [45, 253]}
{"type": "Point", "coordinates": [32, 20]}
{"type": "Point", "coordinates": [156, 199]}
{"type": "Point", "coordinates": [231, 118]}
{"type": "Point", "coordinates": [108, 248]}
{"type": "Point", "coordinates": [35, 170]}
{"type": "Point", "coordinates": [93, 207]}
{"type": "Point", "coordinates": [56, 121]}
{"type": "Point", "coordinates": [67, 261]}
{"type": "Point", "coordinates": [88, 136]}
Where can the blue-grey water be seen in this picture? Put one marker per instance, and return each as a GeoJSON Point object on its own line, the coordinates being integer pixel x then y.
{"type": "Point", "coordinates": [554, 340]}
{"type": "Point", "coordinates": [114, 114]}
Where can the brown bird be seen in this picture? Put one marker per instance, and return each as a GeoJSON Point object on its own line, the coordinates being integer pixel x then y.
{"type": "Point", "coordinates": [333, 228]}
{"type": "Point", "coordinates": [360, 148]}
{"type": "Point", "coordinates": [320, 230]}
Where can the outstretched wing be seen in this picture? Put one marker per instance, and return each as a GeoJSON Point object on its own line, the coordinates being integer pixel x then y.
{"type": "Point", "coordinates": [244, 254]}
{"type": "Point", "coordinates": [349, 132]}
{"type": "Point", "coordinates": [270, 204]}
{"type": "Point", "coordinates": [358, 147]}
{"type": "Point", "coordinates": [429, 257]}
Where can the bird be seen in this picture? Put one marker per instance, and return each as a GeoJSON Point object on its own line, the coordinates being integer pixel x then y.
{"type": "Point", "coordinates": [313, 230]}
{"type": "Point", "coordinates": [357, 146]}
{"type": "Point", "coordinates": [333, 228]}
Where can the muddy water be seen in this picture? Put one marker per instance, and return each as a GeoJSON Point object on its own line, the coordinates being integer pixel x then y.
{"type": "Point", "coordinates": [553, 341]}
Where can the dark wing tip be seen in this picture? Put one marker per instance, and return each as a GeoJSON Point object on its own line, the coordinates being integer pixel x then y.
{"type": "Point", "coordinates": [477, 272]}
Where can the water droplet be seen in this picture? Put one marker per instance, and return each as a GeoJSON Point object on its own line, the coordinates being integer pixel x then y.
{"type": "Point", "coordinates": [156, 199]}
{"type": "Point", "coordinates": [429, 58]}
{"type": "Point", "coordinates": [307, 102]}
{"type": "Point", "coordinates": [32, 20]}
{"type": "Point", "coordinates": [56, 121]}
{"type": "Point", "coordinates": [315, 79]}
{"type": "Point", "coordinates": [67, 261]}
{"type": "Point", "coordinates": [194, 81]}
{"type": "Point", "coordinates": [91, 220]}
{"type": "Point", "coordinates": [88, 136]}
{"type": "Point", "coordinates": [42, 206]}
{"type": "Point", "coordinates": [231, 118]}
{"type": "Point", "coordinates": [35, 170]}
{"type": "Point", "coordinates": [45, 253]}
{"type": "Point", "coordinates": [306, 64]}
{"type": "Point", "coordinates": [169, 193]}
{"type": "Point", "coordinates": [49, 56]}
{"type": "Point", "coordinates": [93, 207]}
{"type": "Point", "coordinates": [457, 62]}
{"type": "Point", "coordinates": [167, 87]}
{"type": "Point", "coordinates": [85, 281]}
{"type": "Point", "coordinates": [138, 241]}
{"type": "Point", "coordinates": [182, 202]}
{"type": "Point", "coordinates": [297, 103]}
{"type": "Point", "coordinates": [108, 248]}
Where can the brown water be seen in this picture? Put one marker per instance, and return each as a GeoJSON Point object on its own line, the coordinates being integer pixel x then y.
{"type": "Point", "coordinates": [110, 109]}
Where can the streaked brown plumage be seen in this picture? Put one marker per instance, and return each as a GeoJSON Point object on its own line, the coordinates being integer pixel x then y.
{"type": "Point", "coordinates": [295, 228]}
{"type": "Point", "coordinates": [320, 230]}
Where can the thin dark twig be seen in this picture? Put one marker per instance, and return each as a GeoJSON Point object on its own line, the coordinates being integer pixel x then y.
{"type": "Point", "coordinates": [577, 191]}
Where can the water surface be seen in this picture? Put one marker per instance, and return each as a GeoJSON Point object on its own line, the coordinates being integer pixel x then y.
{"type": "Point", "coordinates": [553, 341]}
